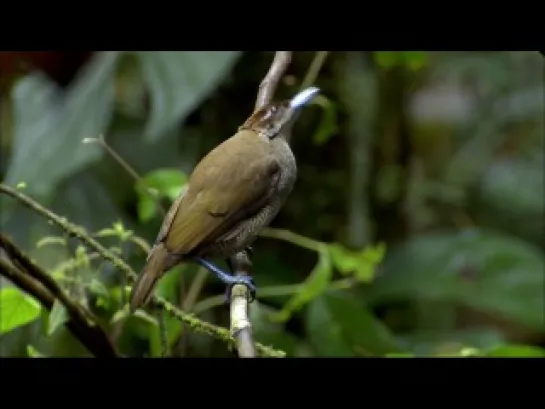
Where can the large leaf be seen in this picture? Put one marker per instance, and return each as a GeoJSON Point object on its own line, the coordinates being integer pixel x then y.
{"type": "Point", "coordinates": [361, 264]}
{"type": "Point", "coordinates": [324, 332]}
{"type": "Point", "coordinates": [16, 309]}
{"type": "Point", "coordinates": [489, 272]}
{"type": "Point", "coordinates": [337, 323]}
{"type": "Point", "coordinates": [178, 81]}
{"type": "Point", "coordinates": [49, 126]}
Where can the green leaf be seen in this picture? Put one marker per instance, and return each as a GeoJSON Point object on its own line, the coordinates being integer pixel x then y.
{"type": "Point", "coordinates": [163, 182]}
{"type": "Point", "coordinates": [107, 232]}
{"type": "Point", "coordinates": [493, 273]}
{"type": "Point", "coordinates": [324, 332]}
{"type": "Point", "coordinates": [178, 81]}
{"type": "Point", "coordinates": [16, 309]}
{"type": "Point", "coordinates": [57, 317]}
{"type": "Point", "coordinates": [49, 240]}
{"type": "Point", "coordinates": [387, 59]}
{"type": "Point", "coordinates": [34, 353]}
{"type": "Point", "coordinates": [314, 285]}
{"type": "Point", "coordinates": [358, 327]}
{"type": "Point", "coordinates": [415, 60]}
{"type": "Point", "coordinates": [362, 264]}
{"type": "Point", "coordinates": [516, 351]}
{"type": "Point", "coordinates": [146, 208]}
{"type": "Point", "coordinates": [98, 288]}
{"type": "Point", "coordinates": [173, 331]}
{"type": "Point", "coordinates": [167, 182]}
{"type": "Point", "coordinates": [328, 123]}
{"type": "Point", "coordinates": [49, 126]}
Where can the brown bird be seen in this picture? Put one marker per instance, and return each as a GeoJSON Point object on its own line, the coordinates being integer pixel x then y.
{"type": "Point", "coordinates": [233, 192]}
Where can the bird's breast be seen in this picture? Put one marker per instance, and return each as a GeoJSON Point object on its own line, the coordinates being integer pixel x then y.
{"type": "Point", "coordinates": [288, 168]}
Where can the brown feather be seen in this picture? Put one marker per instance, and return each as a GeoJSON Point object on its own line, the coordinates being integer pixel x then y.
{"type": "Point", "coordinates": [153, 270]}
{"type": "Point", "coordinates": [232, 181]}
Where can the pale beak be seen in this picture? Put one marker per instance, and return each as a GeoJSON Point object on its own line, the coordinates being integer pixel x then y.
{"type": "Point", "coordinates": [303, 97]}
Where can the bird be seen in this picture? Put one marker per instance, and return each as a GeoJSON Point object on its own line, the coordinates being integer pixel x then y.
{"type": "Point", "coordinates": [232, 194]}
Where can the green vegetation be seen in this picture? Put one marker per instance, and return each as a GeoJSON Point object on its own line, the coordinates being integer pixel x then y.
{"type": "Point", "coordinates": [415, 227]}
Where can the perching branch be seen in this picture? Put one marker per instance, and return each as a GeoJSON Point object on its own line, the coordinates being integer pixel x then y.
{"type": "Point", "coordinates": [29, 277]}
{"type": "Point", "coordinates": [241, 326]}
{"type": "Point", "coordinates": [79, 232]}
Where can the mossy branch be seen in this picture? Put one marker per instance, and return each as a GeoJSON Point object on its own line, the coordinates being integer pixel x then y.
{"type": "Point", "coordinates": [29, 277]}
{"type": "Point", "coordinates": [79, 232]}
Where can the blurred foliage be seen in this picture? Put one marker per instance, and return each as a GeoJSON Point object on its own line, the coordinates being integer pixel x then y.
{"type": "Point", "coordinates": [419, 201]}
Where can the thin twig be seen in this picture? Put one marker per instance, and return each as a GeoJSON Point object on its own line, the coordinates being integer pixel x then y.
{"type": "Point", "coordinates": [194, 290]}
{"type": "Point", "coordinates": [29, 277]}
{"type": "Point", "coordinates": [289, 236]}
{"type": "Point", "coordinates": [187, 300]}
{"type": "Point", "coordinates": [314, 69]}
{"type": "Point", "coordinates": [269, 84]}
{"type": "Point", "coordinates": [100, 140]}
{"type": "Point", "coordinates": [79, 232]}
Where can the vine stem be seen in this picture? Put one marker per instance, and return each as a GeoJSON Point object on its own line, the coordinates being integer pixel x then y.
{"type": "Point", "coordinates": [80, 233]}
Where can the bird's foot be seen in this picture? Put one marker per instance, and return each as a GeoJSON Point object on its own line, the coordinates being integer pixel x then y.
{"type": "Point", "coordinates": [229, 279]}
{"type": "Point", "coordinates": [244, 280]}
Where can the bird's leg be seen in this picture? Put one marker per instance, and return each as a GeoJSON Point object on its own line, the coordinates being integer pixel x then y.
{"type": "Point", "coordinates": [228, 279]}
{"type": "Point", "coordinates": [232, 268]}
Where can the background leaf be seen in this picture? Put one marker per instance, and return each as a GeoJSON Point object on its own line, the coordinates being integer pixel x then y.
{"type": "Point", "coordinates": [178, 81]}
{"type": "Point", "coordinates": [324, 332]}
{"type": "Point", "coordinates": [336, 318]}
{"type": "Point", "coordinates": [16, 309]}
{"type": "Point", "coordinates": [328, 125]}
{"type": "Point", "coordinates": [50, 125]}
{"type": "Point", "coordinates": [57, 317]}
{"type": "Point", "coordinates": [483, 270]}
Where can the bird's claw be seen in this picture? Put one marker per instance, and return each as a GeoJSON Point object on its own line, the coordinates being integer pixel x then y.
{"type": "Point", "coordinates": [244, 280]}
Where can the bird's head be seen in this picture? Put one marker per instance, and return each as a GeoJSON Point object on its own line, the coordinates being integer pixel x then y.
{"type": "Point", "coordinates": [277, 118]}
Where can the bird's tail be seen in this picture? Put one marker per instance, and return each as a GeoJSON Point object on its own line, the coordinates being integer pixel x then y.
{"type": "Point", "coordinates": [145, 283]}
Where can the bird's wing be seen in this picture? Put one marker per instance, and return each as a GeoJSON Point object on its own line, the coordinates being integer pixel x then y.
{"type": "Point", "coordinates": [229, 184]}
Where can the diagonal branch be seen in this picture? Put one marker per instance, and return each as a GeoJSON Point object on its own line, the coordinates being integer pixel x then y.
{"type": "Point", "coordinates": [241, 326]}
{"type": "Point", "coordinates": [29, 277]}
{"type": "Point", "coordinates": [269, 84]}
{"type": "Point", "coordinates": [79, 232]}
